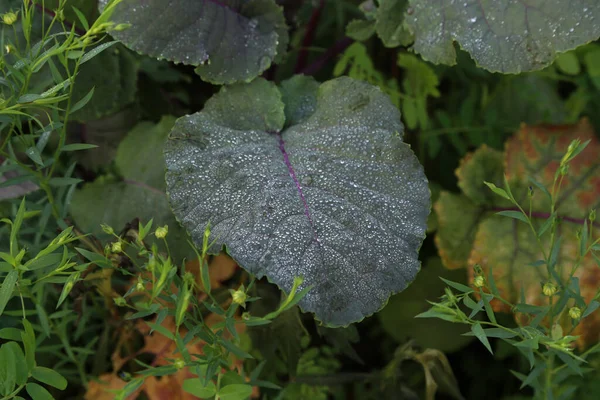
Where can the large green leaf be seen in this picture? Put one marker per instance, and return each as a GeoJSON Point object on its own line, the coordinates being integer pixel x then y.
{"type": "Point", "coordinates": [337, 198]}
{"type": "Point", "coordinates": [507, 36]}
{"type": "Point", "coordinates": [229, 40]}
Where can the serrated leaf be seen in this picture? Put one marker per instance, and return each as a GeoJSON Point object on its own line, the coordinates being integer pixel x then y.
{"type": "Point", "coordinates": [315, 200]}
{"type": "Point", "coordinates": [229, 40]}
{"type": "Point", "coordinates": [502, 36]}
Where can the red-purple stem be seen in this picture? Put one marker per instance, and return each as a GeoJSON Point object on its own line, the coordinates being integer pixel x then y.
{"type": "Point", "coordinates": [292, 173]}
{"type": "Point", "coordinates": [543, 215]}
{"type": "Point", "coordinates": [309, 37]}
{"type": "Point", "coordinates": [333, 51]}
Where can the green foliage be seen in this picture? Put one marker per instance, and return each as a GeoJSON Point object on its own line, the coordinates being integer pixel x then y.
{"type": "Point", "coordinates": [545, 331]}
{"type": "Point", "coordinates": [104, 295]}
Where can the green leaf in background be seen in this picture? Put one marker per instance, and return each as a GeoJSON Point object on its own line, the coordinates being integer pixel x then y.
{"type": "Point", "coordinates": [194, 386]}
{"type": "Point", "coordinates": [502, 35]}
{"type": "Point", "coordinates": [390, 25]}
{"type": "Point", "coordinates": [228, 40]}
{"type": "Point", "coordinates": [235, 392]}
{"type": "Point", "coordinates": [339, 198]}
{"type": "Point", "coordinates": [113, 76]}
{"type": "Point", "coordinates": [398, 316]}
{"type": "Point", "coordinates": [360, 30]}
{"type": "Point", "coordinates": [139, 195]}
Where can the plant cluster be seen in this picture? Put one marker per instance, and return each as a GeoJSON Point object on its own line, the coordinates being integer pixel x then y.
{"type": "Point", "coordinates": [232, 199]}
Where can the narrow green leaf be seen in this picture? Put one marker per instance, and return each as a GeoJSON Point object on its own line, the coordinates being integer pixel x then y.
{"type": "Point", "coordinates": [458, 286]}
{"type": "Point", "coordinates": [82, 18]}
{"type": "Point", "coordinates": [58, 182]}
{"type": "Point", "coordinates": [37, 392]}
{"type": "Point", "coordinates": [500, 192]}
{"type": "Point", "coordinates": [514, 214]}
{"type": "Point", "coordinates": [488, 307]}
{"type": "Point", "coordinates": [533, 375]}
{"type": "Point", "coordinates": [541, 187]}
{"type": "Point", "coordinates": [235, 350]}
{"type": "Point", "coordinates": [43, 316]}
{"type": "Point", "coordinates": [8, 285]}
{"type": "Point", "coordinates": [68, 287]}
{"type": "Point", "coordinates": [78, 146]}
{"type": "Point", "coordinates": [28, 337]}
{"type": "Point", "coordinates": [235, 392]}
{"type": "Point", "coordinates": [492, 283]}
{"type": "Point", "coordinates": [161, 329]}
{"type": "Point", "coordinates": [81, 103]}
{"type": "Point", "coordinates": [495, 333]}
{"type": "Point", "coordinates": [95, 51]}
{"type": "Point", "coordinates": [593, 306]}
{"type": "Point", "coordinates": [49, 377]}
{"type": "Point", "coordinates": [571, 363]}
{"type": "Point", "coordinates": [479, 333]}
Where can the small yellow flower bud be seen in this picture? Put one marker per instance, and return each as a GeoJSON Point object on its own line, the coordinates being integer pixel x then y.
{"type": "Point", "coordinates": [9, 18]}
{"type": "Point", "coordinates": [575, 312]}
{"type": "Point", "coordinates": [120, 301]}
{"type": "Point", "coordinates": [107, 229]}
{"type": "Point", "coordinates": [161, 232]}
{"type": "Point", "coordinates": [239, 297]}
{"type": "Point", "coordinates": [179, 363]}
{"type": "Point", "coordinates": [122, 27]}
{"type": "Point", "coordinates": [116, 247]}
{"type": "Point", "coordinates": [139, 286]}
{"type": "Point", "coordinates": [8, 48]}
{"type": "Point", "coordinates": [549, 289]}
{"type": "Point", "coordinates": [479, 281]}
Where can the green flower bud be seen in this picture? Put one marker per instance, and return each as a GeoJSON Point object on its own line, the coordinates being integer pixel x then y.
{"type": "Point", "coordinates": [592, 216]}
{"type": "Point", "coordinates": [107, 229]}
{"type": "Point", "coordinates": [239, 297]}
{"type": "Point", "coordinates": [179, 363]}
{"type": "Point", "coordinates": [549, 289]}
{"type": "Point", "coordinates": [122, 27]}
{"type": "Point", "coordinates": [9, 18]}
{"type": "Point", "coordinates": [120, 301]}
{"type": "Point", "coordinates": [161, 232]}
{"type": "Point", "coordinates": [116, 247]}
{"type": "Point", "coordinates": [575, 312]}
{"type": "Point", "coordinates": [479, 281]}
